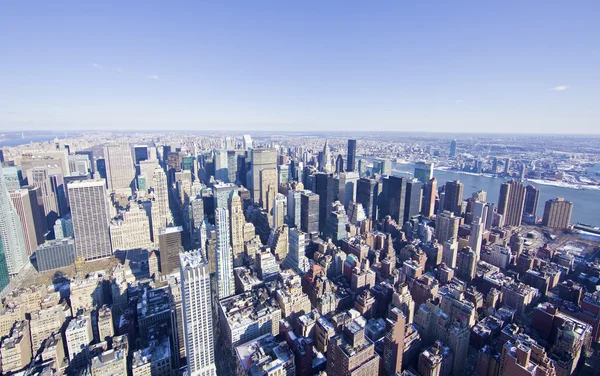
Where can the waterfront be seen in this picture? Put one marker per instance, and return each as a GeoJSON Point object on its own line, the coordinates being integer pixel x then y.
{"type": "Point", "coordinates": [586, 202]}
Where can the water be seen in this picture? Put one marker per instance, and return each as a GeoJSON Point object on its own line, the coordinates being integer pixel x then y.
{"type": "Point", "coordinates": [28, 139]}
{"type": "Point", "coordinates": [586, 202]}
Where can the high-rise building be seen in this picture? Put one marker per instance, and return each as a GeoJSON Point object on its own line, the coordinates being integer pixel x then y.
{"type": "Point", "coordinates": [296, 258]}
{"type": "Point", "coordinates": [452, 149]}
{"type": "Point", "coordinates": [367, 192]}
{"type": "Point", "coordinates": [532, 195]}
{"type": "Point", "coordinates": [91, 220]}
{"type": "Point", "coordinates": [221, 166]}
{"type": "Point", "coordinates": [141, 153]}
{"type": "Point", "coordinates": [309, 212]}
{"type": "Point", "coordinates": [169, 247]}
{"type": "Point", "coordinates": [4, 275]}
{"type": "Point", "coordinates": [351, 155]}
{"type": "Point", "coordinates": [161, 214]}
{"type": "Point", "coordinates": [49, 193]}
{"type": "Point", "coordinates": [446, 226]}
{"type": "Point", "coordinates": [479, 195]}
{"type": "Point", "coordinates": [392, 198]}
{"type": "Point", "coordinates": [351, 352]}
{"type": "Point", "coordinates": [224, 255]}
{"type": "Point", "coordinates": [268, 188]}
{"type": "Point", "coordinates": [412, 205]}
{"type": "Point", "coordinates": [262, 159]}
{"type": "Point", "coordinates": [237, 222]}
{"type": "Point", "coordinates": [429, 196]}
{"type": "Point", "coordinates": [30, 217]}
{"type": "Point", "coordinates": [120, 172]}
{"type": "Point", "coordinates": [423, 171]}
{"type": "Point", "coordinates": [475, 239]}
{"type": "Point", "coordinates": [347, 187]}
{"type": "Point", "coordinates": [453, 197]}
{"type": "Point", "coordinates": [78, 336]}
{"type": "Point", "coordinates": [466, 263]}
{"type": "Point", "coordinates": [293, 208]}
{"type": "Point", "coordinates": [511, 202]}
{"type": "Point", "coordinates": [324, 188]}
{"type": "Point", "coordinates": [279, 210]}
{"type": "Point", "coordinates": [393, 342]}
{"type": "Point", "coordinates": [557, 213]}
{"type": "Point", "coordinates": [197, 314]}
{"type": "Point", "coordinates": [131, 230]}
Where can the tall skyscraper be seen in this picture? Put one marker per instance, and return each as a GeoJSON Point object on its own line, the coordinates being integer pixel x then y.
{"type": "Point", "coordinates": [351, 155]}
{"type": "Point", "coordinates": [393, 342]}
{"type": "Point", "coordinates": [475, 239]}
{"type": "Point", "coordinates": [268, 188]}
{"type": "Point", "coordinates": [429, 195]}
{"type": "Point", "coordinates": [49, 193]}
{"type": "Point", "coordinates": [347, 187]}
{"type": "Point", "coordinates": [511, 202]}
{"type": "Point", "coordinates": [325, 160]}
{"type": "Point", "coordinates": [141, 153]}
{"type": "Point", "coordinates": [91, 219]}
{"type": "Point", "coordinates": [11, 233]}
{"type": "Point", "coordinates": [161, 213]}
{"type": "Point", "coordinates": [221, 166]}
{"type": "Point", "coordinates": [197, 313]}
{"type": "Point", "coordinates": [367, 192]}
{"type": "Point", "coordinates": [557, 213]}
{"type": "Point", "coordinates": [279, 210]}
{"type": "Point", "coordinates": [452, 149]}
{"type": "Point", "coordinates": [261, 159]}
{"type": "Point", "coordinates": [392, 198]}
{"type": "Point", "coordinates": [532, 195]}
{"type": "Point", "coordinates": [309, 212]}
{"type": "Point", "coordinates": [224, 255]}
{"type": "Point", "coordinates": [169, 246]}
{"type": "Point", "coordinates": [324, 188]}
{"type": "Point", "coordinates": [293, 208]}
{"type": "Point", "coordinates": [453, 197]}
{"type": "Point", "coordinates": [120, 171]}
{"type": "Point", "coordinates": [29, 217]}
{"type": "Point", "coordinates": [423, 171]}
{"type": "Point", "coordinates": [412, 204]}
{"type": "Point", "coordinates": [237, 222]}
{"type": "Point", "coordinates": [446, 226]}
{"type": "Point", "coordinates": [4, 276]}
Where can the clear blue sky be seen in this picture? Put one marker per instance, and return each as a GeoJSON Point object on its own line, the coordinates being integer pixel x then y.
{"type": "Point", "coordinates": [490, 66]}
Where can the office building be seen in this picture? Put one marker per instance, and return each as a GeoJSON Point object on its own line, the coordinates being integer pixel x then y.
{"type": "Point", "coordinates": [446, 226]}
{"type": "Point", "coordinates": [141, 153]}
{"type": "Point", "coordinates": [476, 236]}
{"type": "Point", "coordinates": [296, 258]}
{"type": "Point", "coordinates": [110, 362]}
{"type": "Point", "coordinates": [423, 171]}
{"type": "Point", "coordinates": [466, 263]}
{"type": "Point", "coordinates": [347, 187]}
{"type": "Point", "coordinates": [268, 188]}
{"type": "Point", "coordinates": [197, 313]}
{"type": "Point", "coordinates": [309, 212]}
{"type": "Point", "coordinates": [453, 197]}
{"type": "Point", "coordinates": [78, 336]}
{"type": "Point", "coordinates": [11, 232]}
{"type": "Point", "coordinates": [557, 213]}
{"type": "Point", "coordinates": [90, 216]}
{"type": "Point", "coordinates": [429, 198]}
{"type": "Point", "coordinates": [54, 254]}
{"type": "Point", "coordinates": [511, 202]}
{"type": "Point", "coordinates": [351, 156]}
{"type": "Point", "coordinates": [261, 159]}
{"type": "Point", "coordinates": [324, 188]}
{"type": "Point", "coordinates": [169, 246]}
{"type": "Point", "coordinates": [15, 352]}
{"type": "Point", "coordinates": [224, 255]}
{"type": "Point", "coordinates": [50, 193]}
{"type": "Point", "coordinates": [160, 212]}
{"type": "Point", "coordinates": [393, 341]}
{"type": "Point", "coordinates": [153, 360]}
{"type": "Point", "coordinates": [351, 352]}
{"type": "Point", "coordinates": [532, 194]}
{"type": "Point", "coordinates": [412, 203]}
{"type": "Point", "coordinates": [294, 207]}
{"type": "Point", "coordinates": [237, 221]}
{"type": "Point", "coordinates": [392, 198]}
{"type": "Point", "coordinates": [452, 152]}
{"type": "Point", "coordinates": [120, 172]}
{"type": "Point", "coordinates": [279, 210]}
{"type": "Point", "coordinates": [31, 217]}
{"type": "Point", "coordinates": [367, 192]}
{"type": "Point", "coordinates": [265, 356]}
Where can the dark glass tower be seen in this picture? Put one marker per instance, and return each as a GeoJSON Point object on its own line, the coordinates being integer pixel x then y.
{"type": "Point", "coordinates": [532, 194]}
{"type": "Point", "coordinates": [453, 197]}
{"type": "Point", "coordinates": [141, 153]}
{"type": "Point", "coordinates": [4, 278]}
{"type": "Point", "coordinates": [413, 199]}
{"type": "Point", "coordinates": [367, 191]}
{"type": "Point", "coordinates": [309, 212]}
{"type": "Point", "coordinates": [324, 188]}
{"type": "Point", "coordinates": [351, 155]}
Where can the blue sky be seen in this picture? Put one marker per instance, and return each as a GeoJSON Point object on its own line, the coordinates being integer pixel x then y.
{"type": "Point", "coordinates": [477, 66]}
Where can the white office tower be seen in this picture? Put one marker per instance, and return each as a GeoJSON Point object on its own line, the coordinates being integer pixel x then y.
{"type": "Point", "coordinates": [279, 210]}
{"type": "Point", "coordinates": [91, 220]}
{"type": "Point", "coordinates": [293, 208]}
{"type": "Point", "coordinates": [161, 214]}
{"type": "Point", "coordinates": [247, 142]}
{"type": "Point", "coordinates": [120, 171]}
{"type": "Point", "coordinates": [197, 313]}
{"type": "Point", "coordinates": [480, 210]}
{"type": "Point", "coordinates": [11, 232]}
{"type": "Point", "coordinates": [221, 167]}
{"type": "Point", "coordinates": [450, 252]}
{"type": "Point", "coordinates": [296, 258]}
{"type": "Point", "coordinates": [237, 222]}
{"type": "Point", "coordinates": [476, 236]}
{"type": "Point", "coordinates": [224, 256]}
{"type": "Point", "coordinates": [347, 188]}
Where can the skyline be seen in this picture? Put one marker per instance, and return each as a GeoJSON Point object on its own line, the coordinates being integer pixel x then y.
{"type": "Point", "coordinates": [468, 68]}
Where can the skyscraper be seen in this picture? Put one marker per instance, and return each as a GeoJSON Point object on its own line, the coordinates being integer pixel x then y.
{"type": "Point", "coordinates": [429, 195]}
{"type": "Point", "coordinates": [221, 166]}
{"type": "Point", "coordinates": [532, 195]}
{"type": "Point", "coordinates": [423, 171]}
{"type": "Point", "coordinates": [453, 197]}
{"type": "Point", "coordinates": [261, 159]}
{"type": "Point", "coordinates": [393, 342]}
{"type": "Point", "coordinates": [91, 220]}
{"type": "Point", "coordinates": [268, 188]}
{"type": "Point", "coordinates": [392, 198]}
{"type": "Point", "coordinates": [141, 153]}
{"type": "Point", "coordinates": [511, 202]}
{"type": "Point", "coordinates": [49, 193]}
{"type": "Point", "coordinates": [29, 218]}
{"type": "Point", "coordinates": [412, 204]}
{"type": "Point", "coordinates": [120, 172]}
{"type": "Point", "coordinates": [452, 149]}
{"type": "Point", "coordinates": [324, 188]}
{"type": "Point", "coordinates": [197, 313]}
{"type": "Point", "coordinates": [351, 155]}
{"type": "Point", "coordinates": [161, 214]}
{"type": "Point", "coordinates": [367, 192]}
{"type": "Point", "coordinates": [4, 276]}
{"type": "Point", "coordinates": [347, 187]}
{"type": "Point", "coordinates": [309, 212]}
{"type": "Point", "coordinates": [237, 222]}
{"type": "Point", "coordinates": [224, 255]}
{"type": "Point", "coordinates": [325, 160]}
{"type": "Point", "coordinates": [557, 213]}
{"type": "Point", "coordinates": [446, 226]}
{"type": "Point", "coordinates": [169, 246]}
{"type": "Point", "coordinates": [11, 233]}
{"type": "Point", "coordinates": [475, 239]}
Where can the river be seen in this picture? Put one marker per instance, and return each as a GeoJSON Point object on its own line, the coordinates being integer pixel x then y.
{"type": "Point", "coordinates": [586, 202]}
